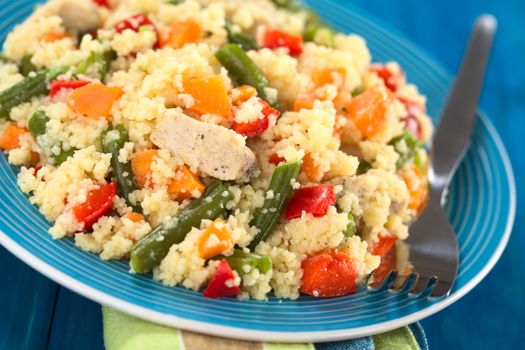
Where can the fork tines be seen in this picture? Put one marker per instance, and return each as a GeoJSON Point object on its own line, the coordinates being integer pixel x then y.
{"type": "Point", "coordinates": [415, 285]}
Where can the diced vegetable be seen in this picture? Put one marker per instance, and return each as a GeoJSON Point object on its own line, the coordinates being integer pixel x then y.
{"type": "Point", "coordinates": [274, 39]}
{"type": "Point", "coordinates": [289, 5]}
{"type": "Point", "coordinates": [214, 240]}
{"type": "Point", "coordinates": [411, 121]}
{"type": "Point", "coordinates": [135, 217]}
{"type": "Point", "coordinates": [94, 100]}
{"type": "Point", "coordinates": [387, 264]}
{"type": "Point", "coordinates": [185, 185]}
{"type": "Point", "coordinates": [134, 23]}
{"type": "Point", "coordinates": [391, 78]}
{"type": "Point", "coordinates": [241, 261]}
{"type": "Point", "coordinates": [317, 31]}
{"type": "Point", "coordinates": [102, 3]}
{"type": "Point", "coordinates": [53, 36]}
{"type": "Point", "coordinates": [221, 284]}
{"type": "Point", "coordinates": [63, 155]}
{"type": "Point", "coordinates": [335, 76]}
{"type": "Point", "coordinates": [313, 200]}
{"type": "Point", "coordinates": [244, 71]}
{"type": "Point", "coordinates": [267, 216]}
{"type": "Point", "coordinates": [26, 66]}
{"type": "Point", "coordinates": [363, 167]}
{"type": "Point", "coordinates": [3, 59]}
{"type": "Point", "coordinates": [98, 204]}
{"type": "Point", "coordinates": [141, 166]}
{"type": "Point", "coordinates": [358, 91]}
{"type": "Point", "coordinates": [368, 111]}
{"type": "Point", "coordinates": [57, 85]}
{"type": "Point", "coordinates": [383, 245]}
{"type": "Point", "coordinates": [181, 33]}
{"type": "Point", "coordinates": [151, 249]}
{"type": "Point", "coordinates": [96, 65]}
{"type": "Point", "coordinates": [327, 275]}
{"type": "Point", "coordinates": [417, 184]}
{"type": "Point", "coordinates": [210, 95]}
{"type": "Point", "coordinates": [407, 146]}
{"type": "Point", "coordinates": [257, 127]}
{"type": "Point", "coordinates": [240, 39]}
{"type": "Point", "coordinates": [242, 94]}
{"type": "Point", "coordinates": [351, 228]}
{"type": "Point", "coordinates": [310, 169]}
{"type": "Point", "coordinates": [10, 139]}
{"type": "Point", "coordinates": [37, 123]}
{"type": "Point", "coordinates": [112, 142]}
{"type": "Point", "coordinates": [276, 159]}
{"type": "Point", "coordinates": [32, 86]}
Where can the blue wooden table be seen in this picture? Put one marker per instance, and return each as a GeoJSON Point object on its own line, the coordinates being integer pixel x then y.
{"type": "Point", "coordinates": [36, 313]}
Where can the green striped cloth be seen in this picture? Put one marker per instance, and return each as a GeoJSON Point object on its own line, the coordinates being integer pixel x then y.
{"type": "Point", "coordinates": [124, 332]}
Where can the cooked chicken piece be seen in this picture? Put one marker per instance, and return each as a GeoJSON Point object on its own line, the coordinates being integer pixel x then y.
{"type": "Point", "coordinates": [79, 15]}
{"type": "Point", "coordinates": [214, 150]}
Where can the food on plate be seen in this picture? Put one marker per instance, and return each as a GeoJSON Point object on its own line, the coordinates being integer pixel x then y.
{"type": "Point", "coordinates": [231, 147]}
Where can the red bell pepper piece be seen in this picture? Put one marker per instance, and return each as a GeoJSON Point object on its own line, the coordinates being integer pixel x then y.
{"type": "Point", "coordinates": [274, 38]}
{"type": "Point", "coordinates": [411, 121]}
{"type": "Point", "coordinates": [217, 288]}
{"type": "Point", "coordinates": [276, 159]}
{"type": "Point", "coordinates": [258, 126]}
{"type": "Point", "coordinates": [386, 241]}
{"type": "Point", "coordinates": [102, 3]}
{"type": "Point", "coordinates": [313, 200]}
{"type": "Point", "coordinates": [99, 203]}
{"type": "Point", "coordinates": [36, 170]}
{"type": "Point", "coordinates": [387, 264]}
{"type": "Point", "coordinates": [328, 275]}
{"type": "Point", "coordinates": [57, 85]}
{"type": "Point", "coordinates": [134, 23]}
{"type": "Point", "coordinates": [390, 78]}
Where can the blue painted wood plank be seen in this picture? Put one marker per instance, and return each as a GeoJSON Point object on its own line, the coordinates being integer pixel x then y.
{"type": "Point", "coordinates": [27, 300]}
{"type": "Point", "coordinates": [77, 323]}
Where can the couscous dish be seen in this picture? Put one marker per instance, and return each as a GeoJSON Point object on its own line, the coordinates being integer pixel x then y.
{"type": "Point", "coordinates": [241, 148]}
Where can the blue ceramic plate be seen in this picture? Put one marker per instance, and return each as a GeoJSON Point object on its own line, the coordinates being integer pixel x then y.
{"type": "Point", "coordinates": [481, 207]}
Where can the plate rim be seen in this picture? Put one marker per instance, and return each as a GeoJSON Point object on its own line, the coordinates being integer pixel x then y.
{"type": "Point", "coordinates": [274, 336]}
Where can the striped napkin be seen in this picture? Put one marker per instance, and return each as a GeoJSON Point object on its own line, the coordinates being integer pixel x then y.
{"type": "Point", "coordinates": [124, 332]}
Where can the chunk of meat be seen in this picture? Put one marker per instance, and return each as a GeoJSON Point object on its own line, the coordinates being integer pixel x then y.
{"type": "Point", "coordinates": [79, 15]}
{"type": "Point", "coordinates": [214, 150]}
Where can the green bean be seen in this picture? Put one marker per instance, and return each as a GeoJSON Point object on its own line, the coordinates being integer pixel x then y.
{"type": "Point", "coordinates": [243, 70]}
{"type": "Point", "coordinates": [151, 249]}
{"type": "Point", "coordinates": [36, 84]}
{"type": "Point", "coordinates": [268, 215]}
{"type": "Point", "coordinates": [289, 5]}
{"type": "Point", "coordinates": [26, 66]}
{"type": "Point", "coordinates": [63, 155]}
{"type": "Point", "coordinates": [239, 259]}
{"type": "Point", "coordinates": [241, 39]}
{"type": "Point", "coordinates": [37, 123]}
{"type": "Point", "coordinates": [4, 59]}
{"type": "Point", "coordinates": [358, 91]}
{"type": "Point", "coordinates": [363, 167]}
{"type": "Point", "coordinates": [350, 229]}
{"type": "Point", "coordinates": [112, 142]}
{"type": "Point", "coordinates": [174, 2]}
{"type": "Point", "coordinates": [96, 60]}
{"type": "Point", "coordinates": [317, 31]}
{"type": "Point", "coordinates": [406, 145]}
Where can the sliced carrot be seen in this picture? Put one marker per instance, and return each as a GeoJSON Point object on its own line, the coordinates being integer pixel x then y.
{"type": "Point", "coordinates": [387, 264]}
{"type": "Point", "coordinates": [11, 137]}
{"type": "Point", "coordinates": [417, 184]}
{"type": "Point", "coordinates": [135, 217]}
{"type": "Point", "coordinates": [52, 36]}
{"type": "Point", "coordinates": [368, 111]}
{"type": "Point", "coordinates": [94, 100]}
{"type": "Point", "coordinates": [180, 34]}
{"type": "Point", "coordinates": [329, 274]}
{"type": "Point", "coordinates": [141, 166]}
{"type": "Point", "coordinates": [214, 240]}
{"type": "Point", "coordinates": [386, 241]}
{"type": "Point", "coordinates": [242, 94]}
{"type": "Point", "coordinates": [210, 96]}
{"type": "Point", "coordinates": [313, 172]}
{"type": "Point", "coordinates": [185, 185]}
{"type": "Point", "coordinates": [328, 76]}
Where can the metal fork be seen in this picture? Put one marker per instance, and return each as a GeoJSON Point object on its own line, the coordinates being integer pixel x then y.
{"type": "Point", "coordinates": [432, 241]}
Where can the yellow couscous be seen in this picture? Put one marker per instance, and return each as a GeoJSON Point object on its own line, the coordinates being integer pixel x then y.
{"type": "Point", "coordinates": [240, 147]}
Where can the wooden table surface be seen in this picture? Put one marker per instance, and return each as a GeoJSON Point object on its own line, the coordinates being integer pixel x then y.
{"type": "Point", "coordinates": [36, 313]}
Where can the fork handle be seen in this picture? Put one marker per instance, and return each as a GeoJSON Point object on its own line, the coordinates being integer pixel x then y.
{"type": "Point", "coordinates": [452, 137]}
